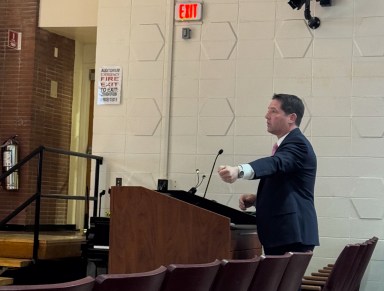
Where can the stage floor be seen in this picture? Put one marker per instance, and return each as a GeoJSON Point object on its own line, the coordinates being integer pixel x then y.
{"type": "Point", "coordinates": [52, 245]}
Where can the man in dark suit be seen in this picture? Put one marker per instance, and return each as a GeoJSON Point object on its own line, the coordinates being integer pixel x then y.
{"type": "Point", "coordinates": [285, 212]}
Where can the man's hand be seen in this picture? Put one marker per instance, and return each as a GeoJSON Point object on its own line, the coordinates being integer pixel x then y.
{"type": "Point", "coordinates": [228, 174]}
{"type": "Point", "coordinates": [246, 200]}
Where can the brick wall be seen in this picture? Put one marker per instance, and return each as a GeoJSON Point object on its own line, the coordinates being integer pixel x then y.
{"type": "Point", "coordinates": [28, 110]}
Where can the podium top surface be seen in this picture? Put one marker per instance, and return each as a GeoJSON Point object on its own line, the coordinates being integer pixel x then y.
{"type": "Point", "coordinates": [237, 217]}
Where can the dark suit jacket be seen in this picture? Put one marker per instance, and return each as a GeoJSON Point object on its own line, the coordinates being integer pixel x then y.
{"type": "Point", "coordinates": [285, 211]}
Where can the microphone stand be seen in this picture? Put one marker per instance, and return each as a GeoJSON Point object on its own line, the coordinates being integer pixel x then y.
{"type": "Point", "coordinates": [102, 193]}
{"type": "Point", "coordinates": [210, 175]}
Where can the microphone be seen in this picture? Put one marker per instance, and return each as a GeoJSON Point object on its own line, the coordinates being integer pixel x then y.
{"type": "Point", "coordinates": [194, 189]}
{"type": "Point", "coordinates": [213, 166]}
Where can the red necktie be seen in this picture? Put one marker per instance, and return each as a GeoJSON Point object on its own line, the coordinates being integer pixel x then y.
{"type": "Point", "coordinates": [274, 148]}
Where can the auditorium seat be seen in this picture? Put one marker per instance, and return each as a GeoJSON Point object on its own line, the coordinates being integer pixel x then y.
{"type": "Point", "coordinates": [144, 281]}
{"type": "Point", "coordinates": [295, 271]}
{"type": "Point", "coordinates": [235, 274]}
{"type": "Point", "coordinates": [85, 284]}
{"type": "Point", "coordinates": [346, 273]}
{"type": "Point", "coordinates": [269, 273]}
{"type": "Point", "coordinates": [191, 277]}
{"type": "Point", "coordinates": [362, 266]}
{"type": "Point", "coordinates": [337, 274]}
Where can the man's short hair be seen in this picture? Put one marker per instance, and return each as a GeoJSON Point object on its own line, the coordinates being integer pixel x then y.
{"type": "Point", "coordinates": [291, 104]}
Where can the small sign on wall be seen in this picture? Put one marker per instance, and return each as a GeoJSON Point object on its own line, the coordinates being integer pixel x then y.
{"type": "Point", "coordinates": [14, 40]}
{"type": "Point", "coordinates": [188, 11]}
{"type": "Point", "coordinates": [109, 85]}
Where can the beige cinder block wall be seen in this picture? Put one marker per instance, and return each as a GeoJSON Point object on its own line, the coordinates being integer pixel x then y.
{"type": "Point", "coordinates": [183, 100]}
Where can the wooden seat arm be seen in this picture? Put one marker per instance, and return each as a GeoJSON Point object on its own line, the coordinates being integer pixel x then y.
{"type": "Point", "coordinates": [313, 282]}
{"type": "Point", "coordinates": [325, 275]}
{"type": "Point", "coordinates": [309, 287]}
{"type": "Point", "coordinates": [315, 278]}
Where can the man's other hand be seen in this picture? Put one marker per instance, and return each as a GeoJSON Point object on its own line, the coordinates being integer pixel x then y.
{"type": "Point", "coordinates": [246, 200]}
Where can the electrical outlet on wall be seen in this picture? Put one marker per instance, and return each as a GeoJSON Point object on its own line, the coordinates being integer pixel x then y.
{"type": "Point", "coordinates": [119, 181]}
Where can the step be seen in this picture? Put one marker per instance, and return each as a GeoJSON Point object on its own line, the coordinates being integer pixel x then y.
{"type": "Point", "coordinates": [6, 281]}
{"type": "Point", "coordinates": [14, 263]}
{"type": "Point", "coordinates": [51, 246]}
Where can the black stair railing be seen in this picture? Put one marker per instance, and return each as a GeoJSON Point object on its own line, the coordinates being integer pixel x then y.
{"type": "Point", "coordinates": [39, 152]}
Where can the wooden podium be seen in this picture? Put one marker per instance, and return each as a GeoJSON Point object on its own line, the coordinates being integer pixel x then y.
{"type": "Point", "coordinates": [149, 229]}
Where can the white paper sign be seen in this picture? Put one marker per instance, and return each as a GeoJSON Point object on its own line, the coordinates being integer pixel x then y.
{"type": "Point", "coordinates": [109, 85]}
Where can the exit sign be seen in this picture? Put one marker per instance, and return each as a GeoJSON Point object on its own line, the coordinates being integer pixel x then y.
{"type": "Point", "coordinates": [188, 11]}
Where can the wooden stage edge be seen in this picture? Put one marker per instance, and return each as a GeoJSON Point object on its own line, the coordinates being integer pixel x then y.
{"type": "Point", "coordinates": [52, 245]}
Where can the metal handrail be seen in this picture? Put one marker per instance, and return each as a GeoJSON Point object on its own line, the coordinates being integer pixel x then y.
{"type": "Point", "coordinates": [39, 151]}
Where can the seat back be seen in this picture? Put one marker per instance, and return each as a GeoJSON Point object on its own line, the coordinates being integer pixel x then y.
{"type": "Point", "coordinates": [365, 256]}
{"type": "Point", "coordinates": [269, 272]}
{"type": "Point", "coordinates": [235, 274]}
{"type": "Point", "coordinates": [295, 271]}
{"type": "Point", "coordinates": [190, 277]}
{"type": "Point", "coordinates": [143, 281]}
{"type": "Point", "coordinates": [85, 284]}
{"type": "Point", "coordinates": [340, 275]}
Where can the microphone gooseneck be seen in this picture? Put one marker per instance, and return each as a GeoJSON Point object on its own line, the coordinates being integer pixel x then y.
{"type": "Point", "coordinates": [201, 182]}
{"type": "Point", "coordinates": [213, 166]}
{"type": "Point", "coordinates": [194, 189]}
{"type": "Point", "coordinates": [198, 177]}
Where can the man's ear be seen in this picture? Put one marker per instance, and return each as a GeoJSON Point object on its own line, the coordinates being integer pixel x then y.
{"type": "Point", "coordinates": [292, 118]}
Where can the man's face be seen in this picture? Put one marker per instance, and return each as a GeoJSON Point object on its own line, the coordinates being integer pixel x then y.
{"type": "Point", "coordinates": [278, 122]}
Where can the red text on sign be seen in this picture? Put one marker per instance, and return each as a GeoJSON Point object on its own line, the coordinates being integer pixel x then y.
{"type": "Point", "coordinates": [188, 11]}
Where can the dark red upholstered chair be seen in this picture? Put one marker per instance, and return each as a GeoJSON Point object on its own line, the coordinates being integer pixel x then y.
{"type": "Point", "coordinates": [235, 274]}
{"type": "Point", "coordinates": [346, 273]}
{"type": "Point", "coordinates": [269, 272]}
{"type": "Point", "coordinates": [190, 277]}
{"type": "Point", "coordinates": [337, 276]}
{"type": "Point", "coordinates": [361, 267]}
{"type": "Point", "coordinates": [295, 271]}
{"type": "Point", "coordinates": [144, 281]}
{"type": "Point", "coordinates": [85, 284]}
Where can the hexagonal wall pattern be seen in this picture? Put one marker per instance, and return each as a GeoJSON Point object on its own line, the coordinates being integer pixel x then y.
{"type": "Point", "coordinates": [218, 40]}
{"type": "Point", "coordinates": [215, 117]}
{"type": "Point", "coordinates": [375, 186]}
{"type": "Point", "coordinates": [369, 203]}
{"type": "Point", "coordinates": [369, 208]}
{"type": "Point", "coordinates": [369, 36]}
{"type": "Point", "coordinates": [144, 117]}
{"type": "Point", "coordinates": [147, 42]}
{"type": "Point", "coordinates": [364, 128]}
{"type": "Point", "coordinates": [362, 105]}
{"type": "Point", "coordinates": [306, 118]}
{"type": "Point", "coordinates": [293, 38]}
